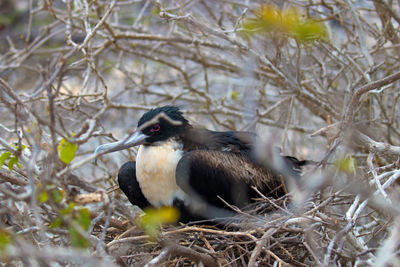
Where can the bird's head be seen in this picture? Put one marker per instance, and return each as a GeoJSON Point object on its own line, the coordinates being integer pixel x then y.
{"type": "Point", "coordinates": [155, 126]}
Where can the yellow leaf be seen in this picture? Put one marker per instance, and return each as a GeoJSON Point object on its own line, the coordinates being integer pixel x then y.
{"type": "Point", "coordinates": [168, 215]}
{"type": "Point", "coordinates": [235, 95]}
{"type": "Point", "coordinates": [347, 164]}
{"type": "Point", "coordinates": [43, 196]}
{"type": "Point", "coordinates": [289, 23]}
{"type": "Point", "coordinates": [66, 151]}
{"type": "Point", "coordinates": [5, 239]}
{"type": "Point", "coordinates": [153, 218]}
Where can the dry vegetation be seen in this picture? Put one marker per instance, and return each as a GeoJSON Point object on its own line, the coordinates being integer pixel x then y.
{"type": "Point", "coordinates": [82, 72]}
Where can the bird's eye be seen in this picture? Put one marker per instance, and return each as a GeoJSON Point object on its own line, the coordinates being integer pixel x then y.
{"type": "Point", "coordinates": [155, 128]}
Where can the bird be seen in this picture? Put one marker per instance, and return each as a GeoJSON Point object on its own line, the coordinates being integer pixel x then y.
{"type": "Point", "coordinates": [202, 173]}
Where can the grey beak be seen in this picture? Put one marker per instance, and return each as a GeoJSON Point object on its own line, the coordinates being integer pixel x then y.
{"type": "Point", "coordinates": [134, 139]}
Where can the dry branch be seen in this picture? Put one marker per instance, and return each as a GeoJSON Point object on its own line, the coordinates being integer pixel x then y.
{"type": "Point", "coordinates": [84, 71]}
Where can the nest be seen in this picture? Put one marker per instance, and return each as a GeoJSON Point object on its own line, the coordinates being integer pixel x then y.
{"type": "Point", "coordinates": [317, 235]}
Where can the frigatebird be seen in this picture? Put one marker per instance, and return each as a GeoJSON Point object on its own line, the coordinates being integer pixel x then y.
{"type": "Point", "coordinates": [199, 171]}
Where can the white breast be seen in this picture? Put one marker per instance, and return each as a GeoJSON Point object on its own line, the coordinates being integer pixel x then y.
{"type": "Point", "coordinates": [155, 172]}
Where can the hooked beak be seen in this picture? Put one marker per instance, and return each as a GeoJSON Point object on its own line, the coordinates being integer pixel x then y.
{"type": "Point", "coordinates": [134, 139]}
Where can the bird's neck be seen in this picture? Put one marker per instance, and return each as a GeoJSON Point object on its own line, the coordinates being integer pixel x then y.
{"type": "Point", "coordinates": [155, 172]}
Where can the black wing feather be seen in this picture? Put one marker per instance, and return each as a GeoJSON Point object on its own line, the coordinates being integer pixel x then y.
{"type": "Point", "coordinates": [212, 175]}
{"type": "Point", "coordinates": [130, 186]}
{"type": "Point", "coordinates": [203, 139]}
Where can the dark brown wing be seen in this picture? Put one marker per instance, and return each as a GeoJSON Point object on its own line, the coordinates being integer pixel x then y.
{"type": "Point", "coordinates": [211, 175]}
{"type": "Point", "coordinates": [231, 141]}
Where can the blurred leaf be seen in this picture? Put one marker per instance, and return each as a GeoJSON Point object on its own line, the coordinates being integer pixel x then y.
{"type": "Point", "coordinates": [155, 11]}
{"type": "Point", "coordinates": [7, 19]}
{"type": "Point", "coordinates": [66, 151]}
{"type": "Point", "coordinates": [128, 20]}
{"type": "Point", "coordinates": [268, 18]}
{"type": "Point", "coordinates": [153, 218]}
{"type": "Point", "coordinates": [77, 240]}
{"type": "Point", "coordinates": [309, 31]}
{"type": "Point", "coordinates": [56, 223]}
{"type": "Point", "coordinates": [16, 147]}
{"type": "Point", "coordinates": [13, 160]}
{"type": "Point", "coordinates": [4, 157]}
{"type": "Point", "coordinates": [80, 217]}
{"type": "Point", "coordinates": [68, 209]}
{"type": "Point", "coordinates": [5, 239]}
{"type": "Point", "coordinates": [71, 61]}
{"type": "Point", "coordinates": [43, 196]}
{"type": "Point", "coordinates": [235, 95]}
{"type": "Point", "coordinates": [169, 215]}
{"type": "Point", "coordinates": [287, 22]}
{"type": "Point", "coordinates": [346, 164]}
{"type": "Point", "coordinates": [57, 195]}
{"type": "Point", "coordinates": [92, 15]}
{"type": "Point", "coordinates": [83, 218]}
{"type": "Point", "coordinates": [107, 64]}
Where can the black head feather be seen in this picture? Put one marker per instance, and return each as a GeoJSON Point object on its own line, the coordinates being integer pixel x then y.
{"type": "Point", "coordinates": [163, 129]}
{"type": "Point", "coordinates": [172, 112]}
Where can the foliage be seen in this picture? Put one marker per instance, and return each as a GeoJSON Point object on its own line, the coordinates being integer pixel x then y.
{"type": "Point", "coordinates": [153, 219]}
{"type": "Point", "coordinates": [76, 74]}
{"type": "Point", "coordinates": [346, 164]}
{"type": "Point", "coordinates": [287, 22]}
{"type": "Point", "coordinates": [5, 239]}
{"type": "Point", "coordinates": [78, 219]}
{"type": "Point", "coordinates": [66, 151]}
{"type": "Point", "coordinates": [12, 159]}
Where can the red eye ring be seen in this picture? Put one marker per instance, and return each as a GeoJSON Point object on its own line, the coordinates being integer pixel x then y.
{"type": "Point", "coordinates": [155, 128]}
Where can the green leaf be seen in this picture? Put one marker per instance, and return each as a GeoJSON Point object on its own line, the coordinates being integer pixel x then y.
{"type": "Point", "coordinates": [13, 160]}
{"type": "Point", "coordinates": [15, 146]}
{"type": "Point", "coordinates": [66, 151]}
{"type": "Point", "coordinates": [4, 157]}
{"type": "Point", "coordinates": [77, 240]}
{"type": "Point", "coordinates": [57, 195]}
{"type": "Point", "coordinates": [5, 239]}
{"type": "Point", "coordinates": [43, 196]}
{"type": "Point", "coordinates": [68, 209]}
{"type": "Point", "coordinates": [56, 223]}
{"type": "Point", "coordinates": [83, 218]}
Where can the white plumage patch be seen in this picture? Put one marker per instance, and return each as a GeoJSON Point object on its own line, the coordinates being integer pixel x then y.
{"type": "Point", "coordinates": [155, 172]}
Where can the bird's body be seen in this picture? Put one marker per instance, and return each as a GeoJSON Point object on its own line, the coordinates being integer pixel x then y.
{"type": "Point", "coordinates": [196, 170]}
{"type": "Point", "coordinates": [155, 172]}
